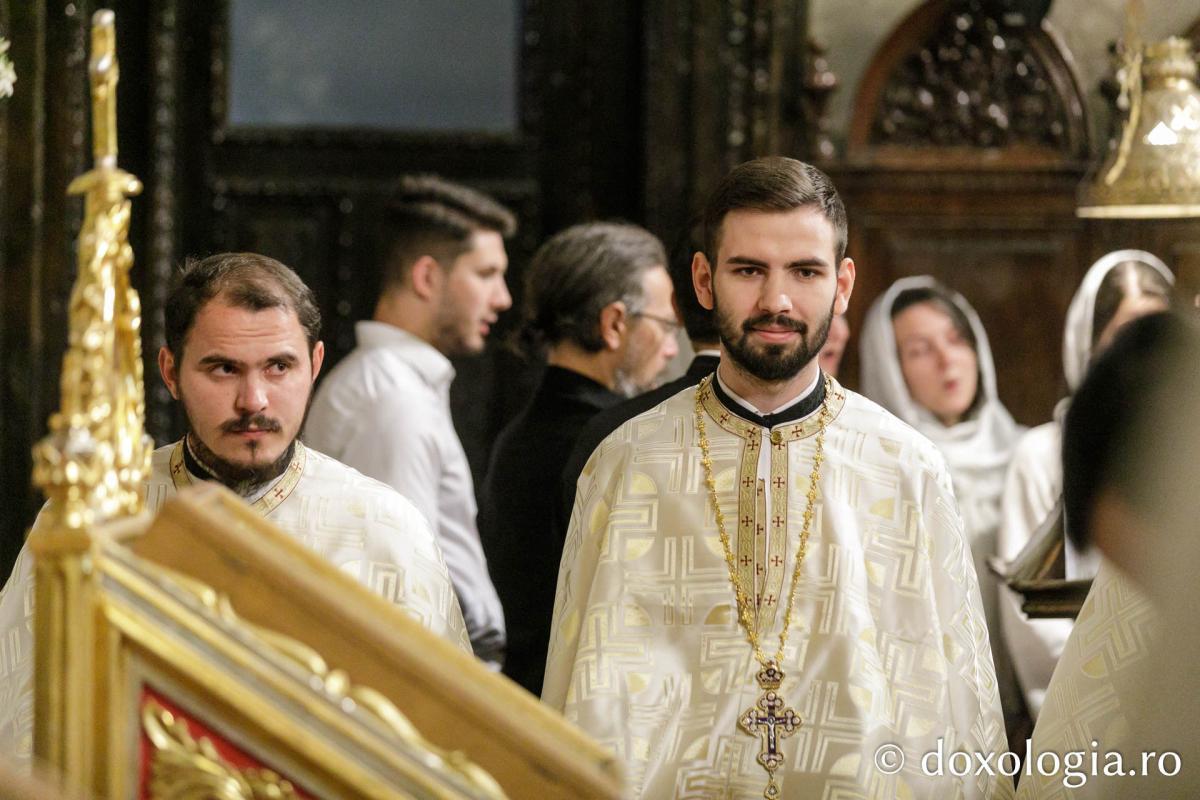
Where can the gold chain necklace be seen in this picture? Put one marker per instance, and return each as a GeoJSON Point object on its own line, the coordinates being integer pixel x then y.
{"type": "Point", "coordinates": [770, 720]}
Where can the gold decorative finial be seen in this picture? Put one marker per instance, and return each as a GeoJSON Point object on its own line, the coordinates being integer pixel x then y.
{"type": "Point", "coordinates": [92, 465]}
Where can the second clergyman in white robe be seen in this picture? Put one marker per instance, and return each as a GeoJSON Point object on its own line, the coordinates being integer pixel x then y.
{"type": "Point", "coordinates": [360, 525]}
{"type": "Point", "coordinates": [887, 646]}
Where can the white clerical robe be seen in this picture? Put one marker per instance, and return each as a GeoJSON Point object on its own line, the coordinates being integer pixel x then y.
{"type": "Point", "coordinates": [887, 645]}
{"type": "Point", "coordinates": [362, 526]}
{"type": "Point", "coordinates": [1096, 694]}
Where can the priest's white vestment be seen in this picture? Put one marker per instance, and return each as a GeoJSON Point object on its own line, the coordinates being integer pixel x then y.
{"type": "Point", "coordinates": [1097, 694]}
{"type": "Point", "coordinates": [360, 525]}
{"type": "Point", "coordinates": [887, 648]}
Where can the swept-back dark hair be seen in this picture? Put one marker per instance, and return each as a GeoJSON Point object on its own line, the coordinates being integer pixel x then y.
{"type": "Point", "coordinates": [243, 280]}
{"type": "Point", "coordinates": [578, 272]}
{"type": "Point", "coordinates": [427, 215]}
{"type": "Point", "coordinates": [774, 183]}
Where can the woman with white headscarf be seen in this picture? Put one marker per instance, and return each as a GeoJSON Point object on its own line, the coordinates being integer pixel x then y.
{"type": "Point", "coordinates": [926, 358]}
{"type": "Point", "coordinates": [1118, 288]}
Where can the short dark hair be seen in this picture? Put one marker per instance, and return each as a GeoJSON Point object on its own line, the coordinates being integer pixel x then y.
{"type": "Point", "coordinates": [698, 321]}
{"type": "Point", "coordinates": [427, 215]}
{"type": "Point", "coordinates": [243, 280]}
{"type": "Point", "coordinates": [578, 272]}
{"type": "Point", "coordinates": [1128, 390]}
{"type": "Point", "coordinates": [774, 183]}
{"type": "Point", "coordinates": [1115, 287]}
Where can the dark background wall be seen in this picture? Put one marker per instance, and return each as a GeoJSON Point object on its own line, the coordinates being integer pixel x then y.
{"type": "Point", "coordinates": [628, 108]}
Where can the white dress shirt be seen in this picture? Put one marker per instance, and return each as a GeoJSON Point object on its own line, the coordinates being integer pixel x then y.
{"type": "Point", "coordinates": [385, 410]}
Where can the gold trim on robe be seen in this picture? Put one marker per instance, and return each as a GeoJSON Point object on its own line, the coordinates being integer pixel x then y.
{"type": "Point", "coordinates": [280, 490]}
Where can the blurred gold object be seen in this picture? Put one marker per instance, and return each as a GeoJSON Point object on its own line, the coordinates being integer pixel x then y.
{"type": "Point", "coordinates": [1154, 171]}
{"type": "Point", "coordinates": [92, 465]}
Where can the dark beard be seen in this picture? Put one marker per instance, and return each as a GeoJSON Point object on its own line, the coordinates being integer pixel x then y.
{"type": "Point", "coordinates": [772, 363]}
{"type": "Point", "coordinates": [240, 478]}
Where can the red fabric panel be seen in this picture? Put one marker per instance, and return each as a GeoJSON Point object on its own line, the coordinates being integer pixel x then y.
{"type": "Point", "coordinates": [230, 754]}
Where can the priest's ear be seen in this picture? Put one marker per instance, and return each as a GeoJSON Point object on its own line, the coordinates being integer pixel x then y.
{"type": "Point", "coordinates": [317, 358]}
{"type": "Point", "coordinates": [613, 324]}
{"type": "Point", "coordinates": [845, 286]}
{"type": "Point", "coordinates": [702, 277]}
{"type": "Point", "coordinates": [169, 370]}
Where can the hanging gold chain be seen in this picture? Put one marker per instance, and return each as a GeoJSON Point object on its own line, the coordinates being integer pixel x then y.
{"type": "Point", "coordinates": [743, 597]}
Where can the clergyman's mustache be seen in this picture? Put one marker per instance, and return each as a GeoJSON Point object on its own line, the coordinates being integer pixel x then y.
{"type": "Point", "coordinates": [252, 422]}
{"type": "Point", "coordinates": [775, 321]}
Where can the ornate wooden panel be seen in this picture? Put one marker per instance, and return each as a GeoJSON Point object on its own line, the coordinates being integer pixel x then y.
{"type": "Point", "coordinates": [724, 83]}
{"type": "Point", "coordinates": [954, 76]}
{"type": "Point", "coordinates": [1010, 247]}
{"type": "Point", "coordinates": [966, 149]}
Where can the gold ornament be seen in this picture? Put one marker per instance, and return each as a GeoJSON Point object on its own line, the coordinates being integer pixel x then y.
{"type": "Point", "coordinates": [770, 719]}
{"type": "Point", "coordinates": [183, 766]}
{"type": "Point", "coordinates": [1154, 171]}
{"type": "Point", "coordinates": [92, 465]}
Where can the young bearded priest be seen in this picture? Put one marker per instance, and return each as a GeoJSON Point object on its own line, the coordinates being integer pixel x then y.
{"type": "Point", "coordinates": [765, 589]}
{"type": "Point", "coordinates": [241, 356]}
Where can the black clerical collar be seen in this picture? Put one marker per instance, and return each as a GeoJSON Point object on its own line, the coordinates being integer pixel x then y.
{"type": "Point", "coordinates": [195, 466]}
{"type": "Point", "coordinates": [796, 411]}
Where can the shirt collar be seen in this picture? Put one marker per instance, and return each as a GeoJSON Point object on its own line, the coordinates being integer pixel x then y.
{"type": "Point", "coordinates": [804, 404]}
{"type": "Point", "coordinates": [433, 367]}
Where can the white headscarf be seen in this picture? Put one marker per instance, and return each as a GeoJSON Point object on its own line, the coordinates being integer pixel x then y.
{"type": "Point", "coordinates": [977, 449]}
{"type": "Point", "coordinates": [1078, 333]}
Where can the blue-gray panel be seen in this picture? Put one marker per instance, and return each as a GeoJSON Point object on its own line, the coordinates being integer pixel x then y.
{"type": "Point", "coordinates": [426, 65]}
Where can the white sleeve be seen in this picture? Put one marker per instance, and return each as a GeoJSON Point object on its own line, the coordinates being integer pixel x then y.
{"type": "Point", "coordinates": [1035, 645]}
{"type": "Point", "coordinates": [974, 708]}
{"type": "Point", "coordinates": [16, 661]}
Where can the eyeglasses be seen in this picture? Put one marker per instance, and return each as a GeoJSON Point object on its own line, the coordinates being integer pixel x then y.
{"type": "Point", "coordinates": [670, 326]}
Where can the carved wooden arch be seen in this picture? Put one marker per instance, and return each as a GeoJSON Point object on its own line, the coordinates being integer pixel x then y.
{"type": "Point", "coordinates": [953, 84]}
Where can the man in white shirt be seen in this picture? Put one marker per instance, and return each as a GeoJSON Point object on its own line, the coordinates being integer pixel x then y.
{"type": "Point", "coordinates": [385, 409]}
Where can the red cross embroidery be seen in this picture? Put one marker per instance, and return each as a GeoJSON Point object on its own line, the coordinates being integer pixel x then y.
{"type": "Point", "coordinates": [776, 560]}
{"type": "Point", "coordinates": [770, 599]}
{"type": "Point", "coordinates": [745, 561]}
{"type": "Point", "coordinates": [746, 521]}
{"type": "Point", "coordinates": [778, 483]}
{"type": "Point", "coordinates": [758, 569]}
{"type": "Point", "coordinates": [747, 481]}
{"type": "Point", "coordinates": [777, 521]}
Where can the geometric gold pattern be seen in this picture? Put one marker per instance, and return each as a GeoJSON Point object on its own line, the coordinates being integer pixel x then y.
{"type": "Point", "coordinates": [888, 642]}
{"type": "Point", "coordinates": [1097, 685]}
{"type": "Point", "coordinates": [356, 523]}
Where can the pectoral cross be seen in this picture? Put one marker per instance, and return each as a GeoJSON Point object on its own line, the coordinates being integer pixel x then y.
{"type": "Point", "coordinates": [770, 720]}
